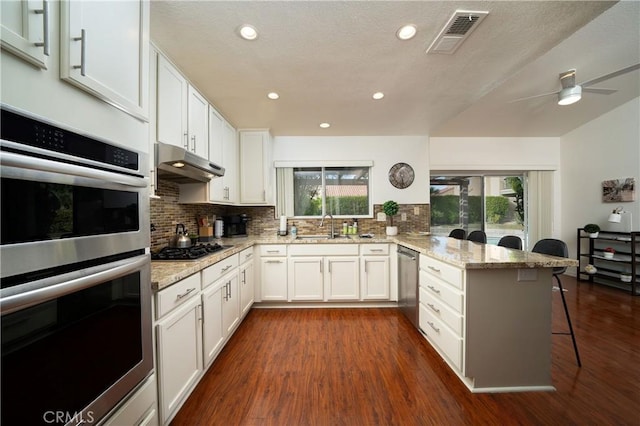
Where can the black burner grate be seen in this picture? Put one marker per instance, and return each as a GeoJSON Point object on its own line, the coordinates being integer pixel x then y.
{"type": "Point", "coordinates": [191, 253]}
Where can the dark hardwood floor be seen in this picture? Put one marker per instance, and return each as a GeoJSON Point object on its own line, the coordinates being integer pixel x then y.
{"type": "Point", "coordinates": [371, 367]}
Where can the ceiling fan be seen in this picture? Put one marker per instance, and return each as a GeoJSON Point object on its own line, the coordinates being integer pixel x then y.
{"type": "Point", "coordinates": [572, 92]}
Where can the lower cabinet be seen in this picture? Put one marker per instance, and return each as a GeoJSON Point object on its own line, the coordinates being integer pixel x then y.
{"type": "Point", "coordinates": [273, 273]}
{"type": "Point", "coordinates": [212, 331]}
{"type": "Point", "coordinates": [247, 281]}
{"type": "Point", "coordinates": [305, 278]}
{"type": "Point", "coordinates": [140, 409]}
{"type": "Point", "coordinates": [375, 276]}
{"type": "Point", "coordinates": [179, 356]}
{"type": "Point", "coordinates": [341, 279]}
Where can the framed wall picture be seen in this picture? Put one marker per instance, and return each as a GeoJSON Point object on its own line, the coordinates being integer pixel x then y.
{"type": "Point", "coordinates": [619, 190]}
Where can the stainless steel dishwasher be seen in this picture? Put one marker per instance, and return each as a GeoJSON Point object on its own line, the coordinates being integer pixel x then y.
{"type": "Point", "coordinates": [408, 264]}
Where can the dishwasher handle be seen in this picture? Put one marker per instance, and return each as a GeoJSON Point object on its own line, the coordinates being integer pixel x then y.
{"type": "Point", "coordinates": [409, 254]}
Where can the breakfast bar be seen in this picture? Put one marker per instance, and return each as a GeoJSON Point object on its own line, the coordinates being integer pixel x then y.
{"type": "Point", "coordinates": [487, 311]}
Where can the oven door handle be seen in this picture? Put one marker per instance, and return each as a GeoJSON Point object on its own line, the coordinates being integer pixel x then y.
{"type": "Point", "coordinates": [22, 162]}
{"type": "Point", "coordinates": [51, 288]}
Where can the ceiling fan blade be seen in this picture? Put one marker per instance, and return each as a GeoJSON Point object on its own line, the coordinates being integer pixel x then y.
{"type": "Point", "coordinates": [611, 75]}
{"type": "Point", "coordinates": [533, 97]}
{"type": "Point", "coordinates": [599, 90]}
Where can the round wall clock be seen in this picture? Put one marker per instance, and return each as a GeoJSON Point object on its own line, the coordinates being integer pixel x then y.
{"type": "Point", "coordinates": [401, 175]}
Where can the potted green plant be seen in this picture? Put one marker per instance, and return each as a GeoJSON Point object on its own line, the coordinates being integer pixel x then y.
{"type": "Point", "coordinates": [592, 229]}
{"type": "Point", "coordinates": [625, 277]}
{"type": "Point", "coordinates": [390, 208]}
{"type": "Point", "coordinates": [609, 252]}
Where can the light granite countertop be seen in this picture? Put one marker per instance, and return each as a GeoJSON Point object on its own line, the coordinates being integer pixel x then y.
{"type": "Point", "coordinates": [461, 253]}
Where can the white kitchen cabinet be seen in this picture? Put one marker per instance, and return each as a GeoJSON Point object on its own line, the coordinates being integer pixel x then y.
{"type": "Point", "coordinates": [306, 278]}
{"type": "Point", "coordinates": [213, 336]}
{"type": "Point", "coordinates": [104, 50]}
{"type": "Point", "coordinates": [172, 103]}
{"type": "Point", "coordinates": [140, 408]}
{"type": "Point", "coordinates": [247, 281]}
{"type": "Point", "coordinates": [230, 303]}
{"type": "Point", "coordinates": [273, 273]}
{"type": "Point", "coordinates": [230, 163]}
{"type": "Point", "coordinates": [375, 271]}
{"type": "Point", "coordinates": [197, 123]}
{"type": "Point", "coordinates": [25, 30]}
{"type": "Point", "coordinates": [256, 168]}
{"type": "Point", "coordinates": [342, 278]}
{"type": "Point", "coordinates": [179, 356]}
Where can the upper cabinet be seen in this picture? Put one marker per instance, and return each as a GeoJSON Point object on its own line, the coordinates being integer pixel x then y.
{"type": "Point", "coordinates": [172, 99]}
{"type": "Point", "coordinates": [198, 142]}
{"type": "Point", "coordinates": [104, 50]}
{"type": "Point", "coordinates": [255, 167]}
{"type": "Point", "coordinates": [25, 30]}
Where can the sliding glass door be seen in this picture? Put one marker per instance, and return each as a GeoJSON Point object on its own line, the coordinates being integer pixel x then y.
{"type": "Point", "coordinates": [494, 204]}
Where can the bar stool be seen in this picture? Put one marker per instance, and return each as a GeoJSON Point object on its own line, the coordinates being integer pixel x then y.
{"type": "Point", "coordinates": [558, 248]}
{"type": "Point", "coordinates": [458, 234]}
{"type": "Point", "coordinates": [511, 241]}
{"type": "Point", "coordinates": [477, 236]}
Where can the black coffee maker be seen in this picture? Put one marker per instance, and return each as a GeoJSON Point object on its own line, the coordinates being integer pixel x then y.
{"type": "Point", "coordinates": [235, 225]}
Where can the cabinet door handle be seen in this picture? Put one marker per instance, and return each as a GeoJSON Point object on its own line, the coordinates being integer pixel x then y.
{"type": "Point", "coordinates": [45, 27]}
{"type": "Point", "coordinates": [436, 329]}
{"type": "Point", "coordinates": [193, 139]}
{"type": "Point", "coordinates": [186, 140]}
{"type": "Point", "coordinates": [321, 268]}
{"type": "Point", "coordinates": [185, 294]}
{"type": "Point", "coordinates": [366, 269]}
{"type": "Point", "coordinates": [434, 269]}
{"type": "Point", "coordinates": [435, 290]}
{"type": "Point", "coordinates": [244, 277]}
{"type": "Point", "coordinates": [83, 52]}
{"type": "Point", "coordinates": [433, 308]}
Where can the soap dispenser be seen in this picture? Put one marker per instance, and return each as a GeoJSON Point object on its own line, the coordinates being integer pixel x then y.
{"type": "Point", "coordinates": [294, 230]}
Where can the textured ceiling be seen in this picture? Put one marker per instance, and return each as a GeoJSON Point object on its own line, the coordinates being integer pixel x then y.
{"type": "Point", "coordinates": [327, 58]}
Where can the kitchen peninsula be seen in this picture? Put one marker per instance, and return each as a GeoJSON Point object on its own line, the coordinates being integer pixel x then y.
{"type": "Point", "coordinates": [485, 309]}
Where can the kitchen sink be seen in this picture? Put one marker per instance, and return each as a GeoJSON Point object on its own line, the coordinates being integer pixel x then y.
{"type": "Point", "coordinates": [322, 237]}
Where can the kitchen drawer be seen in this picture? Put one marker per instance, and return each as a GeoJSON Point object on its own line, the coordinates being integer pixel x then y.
{"type": "Point", "coordinates": [447, 272]}
{"type": "Point", "coordinates": [323, 249]}
{"type": "Point", "coordinates": [177, 294]}
{"type": "Point", "coordinates": [273, 250]}
{"type": "Point", "coordinates": [449, 343]}
{"type": "Point", "coordinates": [374, 249]}
{"type": "Point", "coordinates": [217, 270]}
{"type": "Point", "coordinates": [245, 255]}
{"type": "Point", "coordinates": [441, 311]}
{"type": "Point", "coordinates": [442, 291]}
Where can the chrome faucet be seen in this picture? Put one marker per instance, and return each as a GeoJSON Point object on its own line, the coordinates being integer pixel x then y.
{"type": "Point", "coordinates": [332, 234]}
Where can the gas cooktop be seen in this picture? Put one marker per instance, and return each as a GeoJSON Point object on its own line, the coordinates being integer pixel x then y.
{"type": "Point", "coordinates": [186, 254]}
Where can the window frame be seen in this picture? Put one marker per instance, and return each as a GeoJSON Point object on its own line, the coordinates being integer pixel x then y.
{"type": "Point", "coordinates": [281, 207]}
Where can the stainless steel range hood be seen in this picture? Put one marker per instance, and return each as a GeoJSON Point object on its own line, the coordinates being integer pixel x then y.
{"type": "Point", "coordinates": [176, 164]}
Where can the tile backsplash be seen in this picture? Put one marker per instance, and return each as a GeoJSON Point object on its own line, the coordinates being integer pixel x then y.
{"type": "Point", "coordinates": [166, 213]}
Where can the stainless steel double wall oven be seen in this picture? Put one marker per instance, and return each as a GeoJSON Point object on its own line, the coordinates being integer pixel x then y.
{"type": "Point", "coordinates": [75, 299]}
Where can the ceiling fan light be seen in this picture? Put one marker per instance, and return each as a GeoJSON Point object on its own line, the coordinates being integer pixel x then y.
{"type": "Point", "coordinates": [570, 95]}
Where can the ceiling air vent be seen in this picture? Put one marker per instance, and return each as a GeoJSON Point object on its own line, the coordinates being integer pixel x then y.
{"type": "Point", "coordinates": [457, 29]}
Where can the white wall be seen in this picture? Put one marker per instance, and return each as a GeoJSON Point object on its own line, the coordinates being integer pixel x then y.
{"type": "Point", "coordinates": [605, 148]}
{"type": "Point", "coordinates": [494, 154]}
{"type": "Point", "coordinates": [384, 151]}
{"type": "Point", "coordinates": [42, 92]}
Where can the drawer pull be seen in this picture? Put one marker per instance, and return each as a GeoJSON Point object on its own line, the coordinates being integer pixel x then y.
{"type": "Point", "coordinates": [436, 329]}
{"type": "Point", "coordinates": [433, 308]}
{"type": "Point", "coordinates": [248, 255]}
{"type": "Point", "coordinates": [432, 288]}
{"type": "Point", "coordinates": [226, 268]}
{"type": "Point", "coordinates": [376, 250]}
{"type": "Point", "coordinates": [185, 294]}
{"type": "Point", "coordinates": [434, 269]}
{"type": "Point", "coordinates": [273, 251]}
{"type": "Point", "coordinates": [274, 261]}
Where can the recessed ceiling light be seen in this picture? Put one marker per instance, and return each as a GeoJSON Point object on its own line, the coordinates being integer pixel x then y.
{"type": "Point", "coordinates": [325, 125]}
{"type": "Point", "coordinates": [406, 32]}
{"type": "Point", "coordinates": [248, 32]}
{"type": "Point", "coordinates": [273, 95]}
{"type": "Point", "coordinates": [378, 95]}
